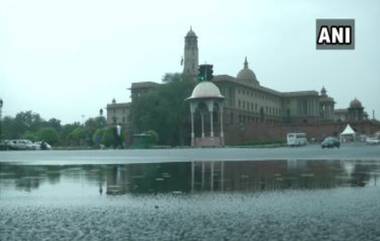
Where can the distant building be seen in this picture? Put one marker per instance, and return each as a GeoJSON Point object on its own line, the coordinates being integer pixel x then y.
{"type": "Point", "coordinates": [118, 113]}
{"type": "Point", "coordinates": [354, 113]}
{"type": "Point", "coordinates": [190, 67]}
{"type": "Point", "coordinates": [253, 112]}
{"type": "Point", "coordinates": [249, 104]}
{"type": "Point", "coordinates": [140, 88]}
{"type": "Point", "coordinates": [246, 100]}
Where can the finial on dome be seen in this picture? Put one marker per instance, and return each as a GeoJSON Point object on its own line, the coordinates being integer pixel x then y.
{"type": "Point", "coordinates": [323, 91]}
{"type": "Point", "coordinates": [247, 74]}
{"type": "Point", "coordinates": [245, 63]}
{"type": "Point", "coordinates": [191, 32]}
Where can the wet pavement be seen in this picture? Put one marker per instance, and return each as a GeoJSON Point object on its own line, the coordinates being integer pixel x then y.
{"type": "Point", "coordinates": [309, 152]}
{"type": "Point", "coordinates": [288, 199]}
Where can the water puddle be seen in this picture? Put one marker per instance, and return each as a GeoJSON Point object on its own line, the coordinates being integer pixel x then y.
{"type": "Point", "coordinates": [185, 177]}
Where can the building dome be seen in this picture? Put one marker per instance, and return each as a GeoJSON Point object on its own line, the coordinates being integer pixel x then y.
{"type": "Point", "coordinates": [205, 89]}
{"type": "Point", "coordinates": [246, 74]}
{"type": "Point", "coordinates": [323, 91]}
{"type": "Point", "coordinates": [191, 33]}
{"type": "Point", "coordinates": [355, 103]}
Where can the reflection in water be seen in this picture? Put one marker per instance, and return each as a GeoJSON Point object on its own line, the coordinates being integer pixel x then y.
{"type": "Point", "coordinates": [197, 176]}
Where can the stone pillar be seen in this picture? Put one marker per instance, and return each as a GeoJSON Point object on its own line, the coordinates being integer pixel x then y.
{"type": "Point", "coordinates": [212, 176]}
{"type": "Point", "coordinates": [329, 111]}
{"type": "Point", "coordinates": [203, 124]}
{"type": "Point", "coordinates": [192, 175]}
{"type": "Point", "coordinates": [222, 175]}
{"type": "Point", "coordinates": [192, 110]}
{"type": "Point", "coordinates": [221, 124]}
{"type": "Point", "coordinates": [203, 176]}
{"type": "Point", "coordinates": [210, 105]}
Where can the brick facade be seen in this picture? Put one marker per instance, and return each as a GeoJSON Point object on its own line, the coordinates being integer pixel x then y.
{"type": "Point", "coordinates": [270, 132]}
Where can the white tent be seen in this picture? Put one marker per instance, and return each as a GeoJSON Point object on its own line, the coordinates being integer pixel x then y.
{"type": "Point", "coordinates": [348, 134]}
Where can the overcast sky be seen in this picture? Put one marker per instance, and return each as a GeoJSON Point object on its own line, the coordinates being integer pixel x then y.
{"type": "Point", "coordinates": [65, 59]}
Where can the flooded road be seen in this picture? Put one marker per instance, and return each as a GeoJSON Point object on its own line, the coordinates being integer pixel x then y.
{"type": "Point", "coordinates": [191, 200]}
{"type": "Point", "coordinates": [183, 177]}
{"type": "Point", "coordinates": [309, 152]}
{"type": "Point", "coordinates": [191, 194]}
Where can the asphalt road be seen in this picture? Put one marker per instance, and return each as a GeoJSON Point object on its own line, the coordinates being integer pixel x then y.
{"type": "Point", "coordinates": [310, 152]}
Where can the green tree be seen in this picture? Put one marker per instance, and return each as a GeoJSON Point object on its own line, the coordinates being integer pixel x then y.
{"type": "Point", "coordinates": [153, 136]}
{"type": "Point", "coordinates": [109, 137]}
{"type": "Point", "coordinates": [30, 125]}
{"type": "Point", "coordinates": [172, 77]}
{"type": "Point", "coordinates": [97, 137]}
{"type": "Point", "coordinates": [66, 131]}
{"type": "Point", "coordinates": [11, 129]}
{"type": "Point", "coordinates": [27, 120]}
{"type": "Point", "coordinates": [15, 128]}
{"type": "Point", "coordinates": [54, 123]}
{"type": "Point", "coordinates": [93, 124]}
{"type": "Point", "coordinates": [78, 136]}
{"type": "Point", "coordinates": [49, 135]}
{"type": "Point", "coordinates": [165, 111]}
{"type": "Point", "coordinates": [30, 135]}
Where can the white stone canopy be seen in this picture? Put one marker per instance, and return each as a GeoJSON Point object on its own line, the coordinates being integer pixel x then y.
{"type": "Point", "coordinates": [207, 94]}
{"type": "Point", "coordinates": [205, 89]}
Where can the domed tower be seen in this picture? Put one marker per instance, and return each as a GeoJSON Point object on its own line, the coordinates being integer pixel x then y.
{"type": "Point", "coordinates": [323, 91]}
{"type": "Point", "coordinates": [356, 104]}
{"type": "Point", "coordinates": [326, 106]}
{"type": "Point", "coordinates": [190, 67]}
{"type": "Point", "coordinates": [356, 111]}
{"type": "Point", "coordinates": [247, 75]}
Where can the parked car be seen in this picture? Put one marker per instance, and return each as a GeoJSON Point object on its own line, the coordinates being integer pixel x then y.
{"type": "Point", "coordinates": [372, 141]}
{"type": "Point", "coordinates": [296, 139]}
{"type": "Point", "coordinates": [330, 142]}
{"type": "Point", "coordinates": [22, 144]}
{"type": "Point", "coordinates": [43, 145]}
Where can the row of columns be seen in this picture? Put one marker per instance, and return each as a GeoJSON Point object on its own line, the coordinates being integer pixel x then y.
{"type": "Point", "coordinates": [327, 110]}
{"type": "Point", "coordinates": [212, 171]}
{"type": "Point", "coordinates": [210, 107]}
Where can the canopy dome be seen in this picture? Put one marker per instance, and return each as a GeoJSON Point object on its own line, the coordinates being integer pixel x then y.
{"type": "Point", "coordinates": [206, 89]}
{"type": "Point", "coordinates": [246, 74]}
{"type": "Point", "coordinates": [355, 103]}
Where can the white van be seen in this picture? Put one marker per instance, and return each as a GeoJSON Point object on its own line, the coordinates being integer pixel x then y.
{"type": "Point", "coordinates": [296, 139]}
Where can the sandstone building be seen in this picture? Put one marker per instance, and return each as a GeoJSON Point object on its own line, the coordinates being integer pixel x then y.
{"type": "Point", "coordinates": [118, 113]}
{"type": "Point", "coordinates": [249, 105]}
{"type": "Point", "coordinates": [246, 100]}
